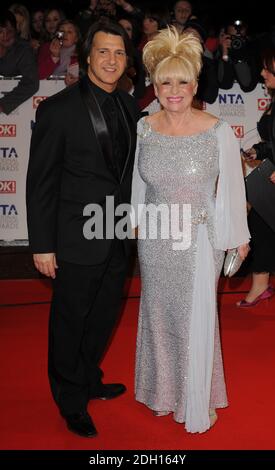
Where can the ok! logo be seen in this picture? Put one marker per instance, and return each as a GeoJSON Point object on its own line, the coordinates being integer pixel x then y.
{"type": "Point", "coordinates": [7, 130]}
{"type": "Point", "coordinates": [7, 187]}
{"type": "Point", "coordinates": [238, 131]}
{"type": "Point", "coordinates": [36, 100]}
{"type": "Point", "coordinates": [263, 103]}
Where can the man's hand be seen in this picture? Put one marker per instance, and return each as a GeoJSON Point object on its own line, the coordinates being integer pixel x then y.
{"type": "Point", "coordinates": [125, 5]}
{"type": "Point", "coordinates": [45, 263]}
{"type": "Point", "coordinates": [272, 177]}
{"type": "Point", "coordinates": [225, 42]}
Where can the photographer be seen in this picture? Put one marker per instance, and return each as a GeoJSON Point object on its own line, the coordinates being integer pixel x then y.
{"type": "Point", "coordinates": [236, 60]}
{"type": "Point", "coordinates": [59, 56]}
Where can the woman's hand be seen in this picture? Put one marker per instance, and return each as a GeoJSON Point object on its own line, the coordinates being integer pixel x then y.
{"type": "Point", "coordinates": [272, 177]}
{"type": "Point", "coordinates": [35, 44]}
{"type": "Point", "coordinates": [249, 154]}
{"type": "Point", "coordinates": [55, 48]}
{"type": "Point", "coordinates": [70, 79]}
{"type": "Point", "coordinates": [243, 250]}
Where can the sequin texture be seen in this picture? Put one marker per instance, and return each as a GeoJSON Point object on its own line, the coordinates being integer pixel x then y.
{"type": "Point", "coordinates": [177, 170]}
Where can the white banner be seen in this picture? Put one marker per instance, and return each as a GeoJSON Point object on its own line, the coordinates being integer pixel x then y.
{"type": "Point", "coordinates": [15, 134]}
{"type": "Point", "coordinates": [242, 111]}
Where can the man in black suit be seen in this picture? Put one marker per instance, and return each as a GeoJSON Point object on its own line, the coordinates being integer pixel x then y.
{"type": "Point", "coordinates": [82, 150]}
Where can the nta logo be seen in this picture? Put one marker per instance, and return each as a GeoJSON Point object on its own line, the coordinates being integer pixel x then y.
{"type": "Point", "coordinates": [7, 187]}
{"type": "Point", "coordinates": [230, 98]}
{"type": "Point", "coordinates": [8, 209]}
{"type": "Point", "coordinates": [238, 131]}
{"type": "Point", "coordinates": [7, 130]}
{"type": "Point", "coordinates": [8, 152]}
{"type": "Point", "coordinates": [36, 100]}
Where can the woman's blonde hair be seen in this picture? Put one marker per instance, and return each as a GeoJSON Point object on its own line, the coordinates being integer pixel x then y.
{"type": "Point", "coordinates": [173, 55]}
{"type": "Point", "coordinates": [24, 28]}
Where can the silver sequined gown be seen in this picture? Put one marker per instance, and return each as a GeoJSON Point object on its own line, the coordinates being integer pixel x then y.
{"type": "Point", "coordinates": [176, 170]}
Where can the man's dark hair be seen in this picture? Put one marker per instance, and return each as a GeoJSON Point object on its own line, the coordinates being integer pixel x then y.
{"type": "Point", "coordinates": [108, 26]}
{"type": "Point", "coordinates": [6, 17]}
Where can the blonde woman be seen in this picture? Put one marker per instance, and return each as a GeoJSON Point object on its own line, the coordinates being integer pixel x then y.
{"type": "Point", "coordinates": [22, 16]}
{"type": "Point", "coordinates": [186, 158]}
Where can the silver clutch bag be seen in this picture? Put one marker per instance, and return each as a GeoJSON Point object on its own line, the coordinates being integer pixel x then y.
{"type": "Point", "coordinates": [232, 262]}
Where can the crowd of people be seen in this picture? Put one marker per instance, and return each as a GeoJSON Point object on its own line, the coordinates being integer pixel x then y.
{"type": "Point", "coordinates": [179, 156]}
{"type": "Point", "coordinates": [41, 43]}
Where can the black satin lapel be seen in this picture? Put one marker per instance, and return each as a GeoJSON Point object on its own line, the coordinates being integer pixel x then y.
{"type": "Point", "coordinates": [127, 119]}
{"type": "Point", "coordinates": [99, 124]}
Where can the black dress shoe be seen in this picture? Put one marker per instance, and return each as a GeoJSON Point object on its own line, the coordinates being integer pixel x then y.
{"type": "Point", "coordinates": [108, 391]}
{"type": "Point", "coordinates": [81, 424]}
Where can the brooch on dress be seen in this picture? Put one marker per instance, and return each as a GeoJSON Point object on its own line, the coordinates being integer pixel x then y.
{"type": "Point", "coordinates": [145, 131]}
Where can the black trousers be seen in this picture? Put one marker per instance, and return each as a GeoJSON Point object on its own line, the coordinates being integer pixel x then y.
{"type": "Point", "coordinates": [85, 306]}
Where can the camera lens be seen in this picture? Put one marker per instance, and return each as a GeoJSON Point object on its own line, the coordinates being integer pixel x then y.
{"type": "Point", "coordinates": [237, 42]}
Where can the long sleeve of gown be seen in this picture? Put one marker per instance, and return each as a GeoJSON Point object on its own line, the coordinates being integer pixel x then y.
{"type": "Point", "coordinates": [230, 212]}
{"type": "Point", "coordinates": [138, 184]}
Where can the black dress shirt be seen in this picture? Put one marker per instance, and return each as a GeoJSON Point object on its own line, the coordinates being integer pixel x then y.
{"type": "Point", "coordinates": [110, 106]}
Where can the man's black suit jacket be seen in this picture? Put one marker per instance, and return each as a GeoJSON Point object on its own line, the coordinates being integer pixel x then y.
{"type": "Point", "coordinates": [68, 169]}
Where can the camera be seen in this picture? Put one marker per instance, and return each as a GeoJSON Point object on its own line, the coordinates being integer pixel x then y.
{"type": "Point", "coordinates": [238, 40]}
{"type": "Point", "coordinates": [59, 35]}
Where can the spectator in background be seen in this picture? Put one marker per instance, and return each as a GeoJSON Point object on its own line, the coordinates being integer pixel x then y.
{"type": "Point", "coordinates": [108, 8]}
{"type": "Point", "coordinates": [87, 16]}
{"type": "Point", "coordinates": [37, 17]}
{"type": "Point", "coordinates": [208, 87]}
{"type": "Point", "coordinates": [262, 236]}
{"type": "Point", "coordinates": [52, 18]}
{"type": "Point", "coordinates": [111, 7]}
{"type": "Point", "coordinates": [155, 19]}
{"type": "Point", "coordinates": [135, 71]}
{"type": "Point", "coordinates": [182, 12]}
{"type": "Point", "coordinates": [236, 58]}
{"type": "Point", "coordinates": [58, 56]}
{"type": "Point", "coordinates": [36, 28]}
{"type": "Point", "coordinates": [22, 17]}
{"type": "Point", "coordinates": [16, 58]}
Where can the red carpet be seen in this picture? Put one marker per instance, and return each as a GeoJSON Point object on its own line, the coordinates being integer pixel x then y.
{"type": "Point", "coordinates": [29, 418]}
